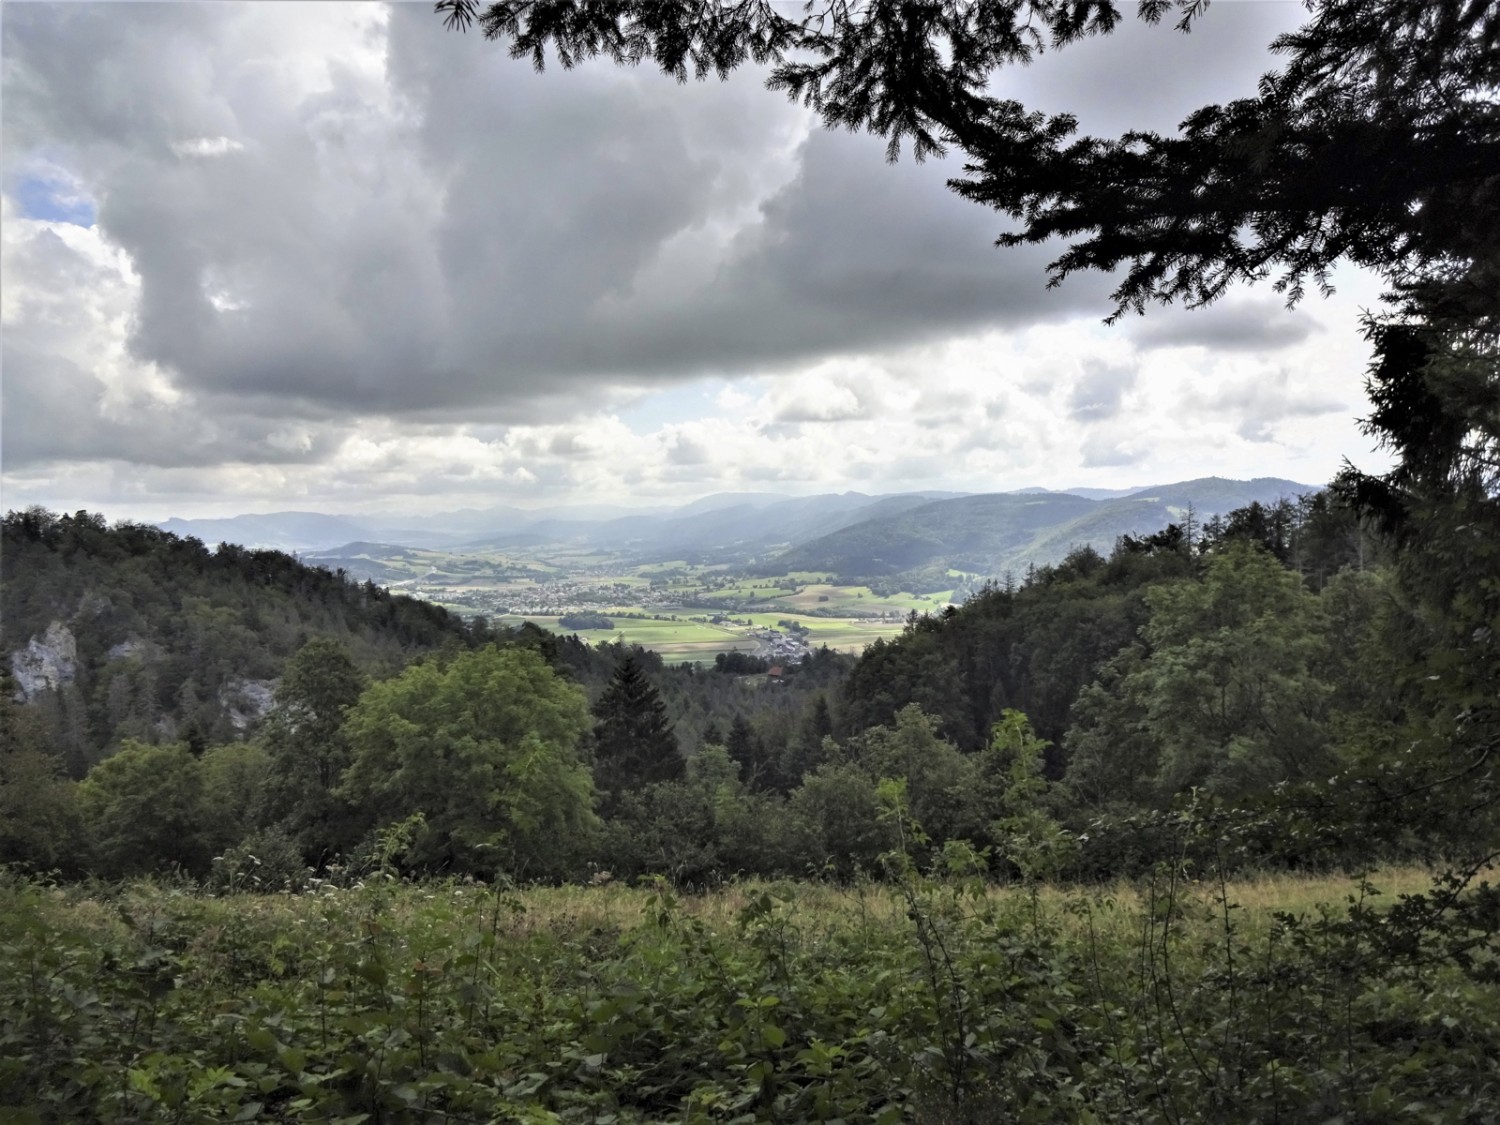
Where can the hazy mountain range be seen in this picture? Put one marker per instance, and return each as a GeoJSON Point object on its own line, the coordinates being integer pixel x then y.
{"type": "Point", "coordinates": [848, 533]}
{"type": "Point", "coordinates": [989, 534]}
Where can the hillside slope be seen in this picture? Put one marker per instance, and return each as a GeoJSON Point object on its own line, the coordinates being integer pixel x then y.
{"type": "Point", "coordinates": [993, 533]}
{"type": "Point", "coordinates": [132, 632]}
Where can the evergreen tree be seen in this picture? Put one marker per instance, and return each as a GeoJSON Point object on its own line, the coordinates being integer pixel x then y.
{"type": "Point", "coordinates": [804, 753]}
{"type": "Point", "coordinates": [307, 750]}
{"type": "Point", "coordinates": [749, 750]}
{"type": "Point", "coordinates": [634, 743]}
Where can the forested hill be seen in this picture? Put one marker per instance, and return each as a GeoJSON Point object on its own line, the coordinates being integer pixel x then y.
{"type": "Point", "coordinates": [992, 533]}
{"type": "Point", "coordinates": [1078, 707]}
{"type": "Point", "coordinates": [142, 634]}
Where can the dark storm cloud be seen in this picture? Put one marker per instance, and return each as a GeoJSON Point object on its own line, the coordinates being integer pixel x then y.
{"type": "Point", "coordinates": [564, 188]}
{"type": "Point", "coordinates": [1236, 325]}
{"type": "Point", "coordinates": [491, 241]}
{"type": "Point", "coordinates": [419, 227]}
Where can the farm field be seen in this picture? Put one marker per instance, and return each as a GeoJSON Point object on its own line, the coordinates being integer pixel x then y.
{"type": "Point", "coordinates": [925, 1001]}
{"type": "Point", "coordinates": [677, 640]}
{"type": "Point", "coordinates": [849, 634]}
{"type": "Point", "coordinates": [672, 600]}
{"type": "Point", "coordinates": [861, 599]}
{"type": "Point", "coordinates": [700, 640]}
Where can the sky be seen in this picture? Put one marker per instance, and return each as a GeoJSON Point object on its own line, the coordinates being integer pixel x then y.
{"type": "Point", "coordinates": [333, 257]}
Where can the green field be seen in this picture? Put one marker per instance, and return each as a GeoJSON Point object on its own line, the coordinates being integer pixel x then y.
{"type": "Point", "coordinates": [861, 599]}
{"type": "Point", "coordinates": [697, 639]}
{"type": "Point", "coordinates": [683, 640]}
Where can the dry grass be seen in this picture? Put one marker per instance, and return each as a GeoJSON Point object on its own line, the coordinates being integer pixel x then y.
{"type": "Point", "coordinates": [617, 906]}
{"type": "Point", "coordinates": [1114, 909]}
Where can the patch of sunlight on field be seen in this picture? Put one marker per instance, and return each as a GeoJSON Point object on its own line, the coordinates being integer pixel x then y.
{"type": "Point", "coordinates": [695, 640]}
{"type": "Point", "coordinates": [861, 599]}
{"type": "Point", "coordinates": [845, 634]}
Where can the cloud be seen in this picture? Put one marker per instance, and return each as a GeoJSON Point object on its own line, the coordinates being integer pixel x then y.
{"type": "Point", "coordinates": [1099, 391]}
{"type": "Point", "coordinates": [207, 146]}
{"type": "Point", "coordinates": [824, 397]}
{"type": "Point", "coordinates": [1243, 324]}
{"type": "Point", "coordinates": [1102, 452]}
{"type": "Point", "coordinates": [316, 255]}
{"type": "Point", "coordinates": [450, 232]}
{"type": "Point", "coordinates": [1259, 404]}
{"type": "Point", "coordinates": [1151, 77]}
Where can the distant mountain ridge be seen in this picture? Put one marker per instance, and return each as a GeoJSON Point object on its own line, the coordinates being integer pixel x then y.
{"type": "Point", "coordinates": [723, 520]}
{"type": "Point", "coordinates": [848, 533]}
{"type": "Point", "coordinates": [990, 534]}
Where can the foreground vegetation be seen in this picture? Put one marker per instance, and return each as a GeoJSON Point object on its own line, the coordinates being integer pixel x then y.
{"type": "Point", "coordinates": [923, 999]}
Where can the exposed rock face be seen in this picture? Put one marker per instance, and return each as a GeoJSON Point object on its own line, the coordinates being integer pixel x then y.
{"type": "Point", "coordinates": [247, 701]}
{"type": "Point", "coordinates": [134, 648]}
{"type": "Point", "coordinates": [46, 663]}
{"type": "Point", "coordinates": [124, 650]}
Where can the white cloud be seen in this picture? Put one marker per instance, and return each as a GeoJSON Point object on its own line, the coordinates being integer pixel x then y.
{"type": "Point", "coordinates": [207, 146]}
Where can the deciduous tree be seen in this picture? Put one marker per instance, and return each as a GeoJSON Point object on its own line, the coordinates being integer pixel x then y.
{"type": "Point", "coordinates": [487, 748]}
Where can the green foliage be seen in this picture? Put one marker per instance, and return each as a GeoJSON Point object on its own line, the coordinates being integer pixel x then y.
{"type": "Point", "coordinates": [698, 832]}
{"type": "Point", "coordinates": [486, 747]}
{"type": "Point", "coordinates": [938, 1002]}
{"type": "Point", "coordinates": [836, 816]}
{"type": "Point", "coordinates": [1223, 695]}
{"type": "Point", "coordinates": [234, 777]}
{"type": "Point", "coordinates": [40, 826]}
{"type": "Point", "coordinates": [585, 621]}
{"type": "Point", "coordinates": [169, 633]}
{"type": "Point", "coordinates": [146, 810]}
{"type": "Point", "coordinates": [1026, 834]}
{"type": "Point", "coordinates": [307, 750]}
{"type": "Point", "coordinates": [938, 782]}
{"type": "Point", "coordinates": [261, 862]}
{"type": "Point", "coordinates": [634, 744]}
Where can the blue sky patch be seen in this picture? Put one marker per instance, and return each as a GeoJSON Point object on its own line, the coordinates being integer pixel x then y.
{"type": "Point", "coordinates": [53, 202]}
{"type": "Point", "coordinates": [679, 404]}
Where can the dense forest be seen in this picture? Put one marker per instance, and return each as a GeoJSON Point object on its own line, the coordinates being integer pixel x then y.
{"type": "Point", "coordinates": [1264, 668]}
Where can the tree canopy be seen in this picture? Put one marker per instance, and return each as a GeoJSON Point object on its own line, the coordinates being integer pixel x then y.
{"type": "Point", "coordinates": [634, 744]}
{"type": "Point", "coordinates": [1378, 141]}
{"type": "Point", "coordinates": [486, 749]}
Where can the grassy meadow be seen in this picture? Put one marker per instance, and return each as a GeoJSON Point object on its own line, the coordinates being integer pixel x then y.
{"type": "Point", "coordinates": [1275, 999]}
{"type": "Point", "coordinates": [674, 640]}
{"type": "Point", "coordinates": [689, 639]}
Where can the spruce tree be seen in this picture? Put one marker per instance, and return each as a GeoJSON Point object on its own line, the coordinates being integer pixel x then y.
{"type": "Point", "coordinates": [634, 742]}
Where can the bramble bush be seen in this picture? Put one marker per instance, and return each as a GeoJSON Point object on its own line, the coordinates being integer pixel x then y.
{"type": "Point", "coordinates": [931, 998]}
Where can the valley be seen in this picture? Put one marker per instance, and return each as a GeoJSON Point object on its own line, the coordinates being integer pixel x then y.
{"type": "Point", "coordinates": [757, 573]}
{"type": "Point", "coordinates": [682, 610]}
